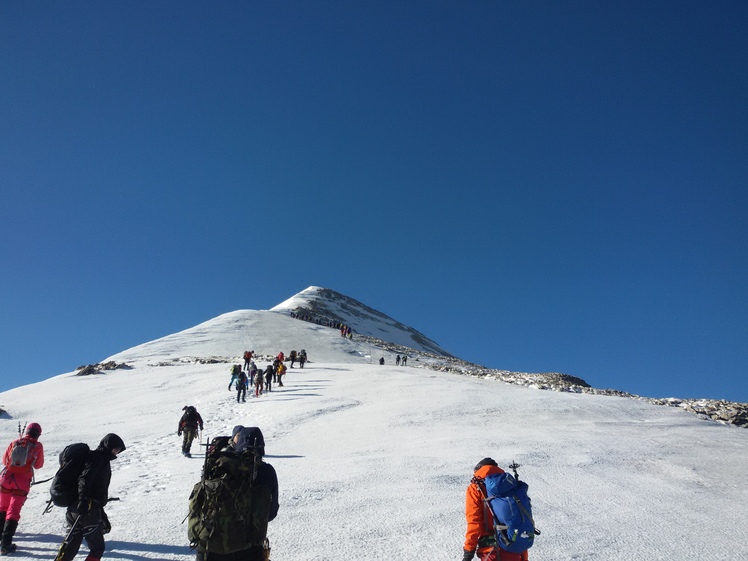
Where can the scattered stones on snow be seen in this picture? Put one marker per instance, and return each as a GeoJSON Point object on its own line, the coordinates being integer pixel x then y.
{"type": "Point", "coordinates": [726, 412]}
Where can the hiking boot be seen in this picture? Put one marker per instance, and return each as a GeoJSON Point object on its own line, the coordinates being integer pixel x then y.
{"type": "Point", "coordinates": [7, 545]}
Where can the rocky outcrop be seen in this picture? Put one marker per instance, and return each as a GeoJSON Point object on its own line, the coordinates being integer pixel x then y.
{"type": "Point", "coordinates": [98, 368]}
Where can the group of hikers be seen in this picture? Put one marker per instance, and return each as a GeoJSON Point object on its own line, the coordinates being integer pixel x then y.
{"type": "Point", "coordinates": [398, 360]}
{"type": "Point", "coordinates": [249, 377]}
{"type": "Point", "coordinates": [345, 330]}
{"type": "Point", "coordinates": [237, 495]}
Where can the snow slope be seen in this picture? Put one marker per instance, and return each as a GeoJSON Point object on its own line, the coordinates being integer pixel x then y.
{"type": "Point", "coordinates": [373, 460]}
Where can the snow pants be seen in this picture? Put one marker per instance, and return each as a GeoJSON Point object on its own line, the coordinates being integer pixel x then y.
{"type": "Point", "coordinates": [498, 554]}
{"type": "Point", "coordinates": [90, 527]}
{"type": "Point", "coordinates": [11, 503]}
{"type": "Point", "coordinates": [189, 436]}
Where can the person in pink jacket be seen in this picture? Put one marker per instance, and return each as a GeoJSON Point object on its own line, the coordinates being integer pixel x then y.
{"type": "Point", "coordinates": [21, 458]}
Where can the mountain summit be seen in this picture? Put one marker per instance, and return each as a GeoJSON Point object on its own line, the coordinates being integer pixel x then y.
{"type": "Point", "coordinates": [282, 328]}
{"type": "Point", "coordinates": [323, 304]}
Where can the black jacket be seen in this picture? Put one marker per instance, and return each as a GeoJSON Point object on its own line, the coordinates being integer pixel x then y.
{"type": "Point", "coordinates": [93, 483]}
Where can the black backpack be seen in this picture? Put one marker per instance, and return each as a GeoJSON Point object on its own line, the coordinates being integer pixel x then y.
{"type": "Point", "coordinates": [64, 489]}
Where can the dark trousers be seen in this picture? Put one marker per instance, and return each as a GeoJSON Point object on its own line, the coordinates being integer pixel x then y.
{"type": "Point", "coordinates": [189, 436]}
{"type": "Point", "coordinates": [90, 527]}
{"type": "Point", "coordinates": [256, 553]}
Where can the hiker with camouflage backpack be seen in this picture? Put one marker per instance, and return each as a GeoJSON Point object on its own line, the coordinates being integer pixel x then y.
{"type": "Point", "coordinates": [21, 458]}
{"type": "Point", "coordinates": [189, 424]}
{"type": "Point", "coordinates": [236, 498]}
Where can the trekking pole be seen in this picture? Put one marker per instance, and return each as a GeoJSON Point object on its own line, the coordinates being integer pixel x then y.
{"type": "Point", "coordinates": [42, 481]}
{"type": "Point", "coordinates": [66, 541]}
{"type": "Point", "coordinates": [514, 465]}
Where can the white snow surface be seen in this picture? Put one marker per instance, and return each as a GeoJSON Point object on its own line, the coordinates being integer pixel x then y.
{"type": "Point", "coordinates": [373, 461]}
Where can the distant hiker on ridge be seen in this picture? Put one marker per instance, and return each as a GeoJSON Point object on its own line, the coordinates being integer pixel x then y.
{"type": "Point", "coordinates": [21, 458]}
{"type": "Point", "coordinates": [189, 424]}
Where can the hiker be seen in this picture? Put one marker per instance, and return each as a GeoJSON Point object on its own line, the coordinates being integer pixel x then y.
{"type": "Point", "coordinates": [258, 383]}
{"type": "Point", "coordinates": [241, 386]}
{"type": "Point", "coordinates": [403, 360]}
{"type": "Point", "coordinates": [276, 366]}
{"type": "Point", "coordinates": [302, 358]}
{"type": "Point", "coordinates": [87, 518]}
{"type": "Point", "coordinates": [270, 374]}
{"type": "Point", "coordinates": [252, 372]}
{"type": "Point", "coordinates": [292, 358]}
{"type": "Point", "coordinates": [234, 536]}
{"type": "Point", "coordinates": [479, 536]}
{"type": "Point", "coordinates": [21, 458]}
{"type": "Point", "coordinates": [189, 424]}
{"type": "Point", "coordinates": [247, 359]}
{"type": "Point", "coordinates": [281, 372]}
{"type": "Point", "coordinates": [235, 370]}
{"type": "Point", "coordinates": [381, 360]}
{"type": "Point", "coordinates": [397, 360]}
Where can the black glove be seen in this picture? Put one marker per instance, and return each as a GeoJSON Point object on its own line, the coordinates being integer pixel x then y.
{"type": "Point", "coordinates": [83, 507]}
{"type": "Point", "coordinates": [179, 433]}
{"type": "Point", "coordinates": [106, 525]}
{"type": "Point", "coordinates": [467, 555]}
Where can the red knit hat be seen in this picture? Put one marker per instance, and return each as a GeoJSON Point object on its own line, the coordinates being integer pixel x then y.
{"type": "Point", "coordinates": [34, 430]}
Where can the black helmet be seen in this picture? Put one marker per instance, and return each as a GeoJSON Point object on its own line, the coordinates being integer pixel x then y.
{"type": "Point", "coordinates": [485, 462]}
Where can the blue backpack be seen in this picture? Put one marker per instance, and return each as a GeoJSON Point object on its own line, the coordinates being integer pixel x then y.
{"type": "Point", "coordinates": [507, 498]}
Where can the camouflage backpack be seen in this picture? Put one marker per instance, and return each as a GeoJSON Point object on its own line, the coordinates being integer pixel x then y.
{"type": "Point", "coordinates": [228, 509]}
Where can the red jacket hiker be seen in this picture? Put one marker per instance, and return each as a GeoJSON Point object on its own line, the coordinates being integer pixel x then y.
{"type": "Point", "coordinates": [15, 482]}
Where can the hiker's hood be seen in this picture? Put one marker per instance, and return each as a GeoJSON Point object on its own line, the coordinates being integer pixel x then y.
{"type": "Point", "coordinates": [484, 471]}
{"type": "Point", "coordinates": [249, 438]}
{"type": "Point", "coordinates": [110, 442]}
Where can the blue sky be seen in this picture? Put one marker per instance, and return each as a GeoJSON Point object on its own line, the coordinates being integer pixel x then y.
{"type": "Point", "coordinates": [536, 186]}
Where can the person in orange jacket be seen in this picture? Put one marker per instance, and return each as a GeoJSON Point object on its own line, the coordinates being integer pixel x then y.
{"type": "Point", "coordinates": [479, 536]}
{"type": "Point", "coordinates": [15, 481]}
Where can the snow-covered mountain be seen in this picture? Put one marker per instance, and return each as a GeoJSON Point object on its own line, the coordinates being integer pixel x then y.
{"type": "Point", "coordinates": [324, 304]}
{"type": "Point", "coordinates": [373, 460]}
{"type": "Point", "coordinates": [267, 332]}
